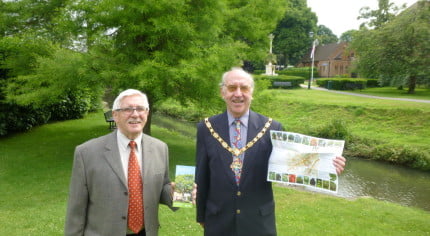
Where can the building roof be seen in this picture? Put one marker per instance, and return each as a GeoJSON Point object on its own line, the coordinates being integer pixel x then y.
{"type": "Point", "coordinates": [326, 52]}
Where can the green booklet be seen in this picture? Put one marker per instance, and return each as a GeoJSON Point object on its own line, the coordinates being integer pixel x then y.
{"type": "Point", "coordinates": [184, 180]}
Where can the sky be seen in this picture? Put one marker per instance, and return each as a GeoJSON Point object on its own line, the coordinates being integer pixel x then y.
{"type": "Point", "coordinates": [341, 15]}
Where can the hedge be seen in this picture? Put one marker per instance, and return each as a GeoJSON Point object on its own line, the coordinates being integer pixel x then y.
{"type": "Point", "coordinates": [294, 80]}
{"type": "Point", "coordinates": [341, 83]}
{"type": "Point", "coordinates": [304, 72]}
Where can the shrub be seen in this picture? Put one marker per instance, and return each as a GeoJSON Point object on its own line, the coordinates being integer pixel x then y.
{"type": "Point", "coordinates": [340, 83]}
{"type": "Point", "coordinates": [259, 72]}
{"type": "Point", "coordinates": [335, 129]}
{"type": "Point", "coordinates": [74, 105]}
{"type": "Point", "coordinates": [269, 80]}
{"type": "Point", "coordinates": [304, 72]}
{"type": "Point", "coordinates": [372, 83]}
{"type": "Point", "coordinates": [399, 155]}
{"type": "Point", "coordinates": [16, 118]}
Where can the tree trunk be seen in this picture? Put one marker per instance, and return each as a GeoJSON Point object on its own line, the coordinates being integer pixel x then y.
{"type": "Point", "coordinates": [412, 84]}
{"type": "Point", "coordinates": [147, 128]}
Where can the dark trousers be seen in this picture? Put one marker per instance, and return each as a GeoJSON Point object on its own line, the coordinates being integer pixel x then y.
{"type": "Point", "coordinates": [141, 233]}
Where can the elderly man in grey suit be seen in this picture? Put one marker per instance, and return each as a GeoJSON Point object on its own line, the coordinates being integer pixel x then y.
{"type": "Point", "coordinates": [118, 180]}
{"type": "Point", "coordinates": [233, 148]}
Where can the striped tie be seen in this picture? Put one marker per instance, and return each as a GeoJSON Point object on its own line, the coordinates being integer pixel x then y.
{"type": "Point", "coordinates": [237, 162]}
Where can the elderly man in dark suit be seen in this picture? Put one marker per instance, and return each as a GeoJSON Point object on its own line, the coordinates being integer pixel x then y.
{"type": "Point", "coordinates": [233, 148]}
{"type": "Point", "coordinates": [118, 180]}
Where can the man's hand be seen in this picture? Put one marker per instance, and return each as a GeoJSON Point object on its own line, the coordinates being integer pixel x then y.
{"type": "Point", "coordinates": [339, 164]}
{"type": "Point", "coordinates": [172, 185]}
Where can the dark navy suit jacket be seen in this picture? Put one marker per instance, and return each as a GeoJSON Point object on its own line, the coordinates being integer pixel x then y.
{"type": "Point", "coordinates": [225, 208]}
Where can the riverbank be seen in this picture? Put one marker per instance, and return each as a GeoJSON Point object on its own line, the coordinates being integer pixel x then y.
{"type": "Point", "coordinates": [35, 182]}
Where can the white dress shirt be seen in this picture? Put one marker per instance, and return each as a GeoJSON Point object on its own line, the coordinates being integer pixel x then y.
{"type": "Point", "coordinates": [124, 151]}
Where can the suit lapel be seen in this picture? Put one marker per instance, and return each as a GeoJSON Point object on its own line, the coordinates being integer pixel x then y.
{"type": "Point", "coordinates": [221, 126]}
{"type": "Point", "coordinates": [254, 126]}
{"type": "Point", "coordinates": [146, 153]}
{"type": "Point", "coordinates": [112, 156]}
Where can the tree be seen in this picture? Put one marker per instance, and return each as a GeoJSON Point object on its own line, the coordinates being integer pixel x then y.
{"type": "Point", "coordinates": [325, 35]}
{"type": "Point", "coordinates": [29, 15]}
{"type": "Point", "coordinates": [168, 49]}
{"type": "Point", "coordinates": [184, 183]}
{"type": "Point", "coordinates": [347, 36]}
{"type": "Point", "coordinates": [173, 49]}
{"type": "Point", "coordinates": [386, 12]}
{"type": "Point", "coordinates": [397, 53]}
{"type": "Point", "coordinates": [292, 33]}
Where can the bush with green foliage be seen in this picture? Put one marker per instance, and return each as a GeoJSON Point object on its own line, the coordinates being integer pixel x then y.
{"type": "Point", "coordinates": [294, 80]}
{"type": "Point", "coordinates": [399, 155]}
{"type": "Point", "coordinates": [372, 83]}
{"type": "Point", "coordinates": [371, 149]}
{"type": "Point", "coordinates": [17, 118]}
{"type": "Point", "coordinates": [341, 83]}
{"type": "Point", "coordinates": [73, 105]}
{"type": "Point", "coordinates": [304, 72]}
{"type": "Point", "coordinates": [336, 129]}
{"type": "Point", "coordinates": [258, 72]}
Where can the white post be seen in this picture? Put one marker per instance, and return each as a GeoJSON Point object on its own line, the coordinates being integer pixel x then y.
{"type": "Point", "coordinates": [312, 72]}
{"type": "Point", "coordinates": [315, 43]}
{"type": "Point", "coordinates": [271, 39]}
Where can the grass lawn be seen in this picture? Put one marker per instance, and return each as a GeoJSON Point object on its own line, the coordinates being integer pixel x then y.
{"type": "Point", "coordinates": [420, 93]}
{"type": "Point", "coordinates": [36, 166]}
{"type": "Point", "coordinates": [395, 122]}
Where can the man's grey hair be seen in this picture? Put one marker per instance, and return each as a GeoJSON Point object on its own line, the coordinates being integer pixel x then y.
{"type": "Point", "coordinates": [126, 93]}
{"type": "Point", "coordinates": [241, 72]}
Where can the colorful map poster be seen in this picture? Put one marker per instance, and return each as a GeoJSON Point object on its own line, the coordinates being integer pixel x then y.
{"type": "Point", "coordinates": [184, 183]}
{"type": "Point", "coordinates": [298, 159]}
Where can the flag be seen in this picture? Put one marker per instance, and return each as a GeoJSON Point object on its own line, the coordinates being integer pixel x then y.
{"type": "Point", "coordinates": [313, 50]}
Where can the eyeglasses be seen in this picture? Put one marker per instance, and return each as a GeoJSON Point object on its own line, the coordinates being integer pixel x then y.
{"type": "Point", "coordinates": [130, 110]}
{"type": "Point", "coordinates": [243, 88]}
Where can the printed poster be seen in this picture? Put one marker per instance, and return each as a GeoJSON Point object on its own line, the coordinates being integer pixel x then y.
{"type": "Point", "coordinates": [303, 160]}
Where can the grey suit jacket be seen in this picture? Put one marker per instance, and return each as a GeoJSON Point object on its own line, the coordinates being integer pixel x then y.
{"type": "Point", "coordinates": [98, 198]}
{"type": "Point", "coordinates": [224, 207]}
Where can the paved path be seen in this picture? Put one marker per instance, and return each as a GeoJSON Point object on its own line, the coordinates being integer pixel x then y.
{"type": "Point", "coordinates": [367, 96]}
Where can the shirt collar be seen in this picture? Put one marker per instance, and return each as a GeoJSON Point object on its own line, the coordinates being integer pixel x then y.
{"type": "Point", "coordinates": [243, 119]}
{"type": "Point", "coordinates": [123, 141]}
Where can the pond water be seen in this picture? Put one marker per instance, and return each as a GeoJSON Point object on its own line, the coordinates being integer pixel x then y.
{"type": "Point", "coordinates": [385, 182]}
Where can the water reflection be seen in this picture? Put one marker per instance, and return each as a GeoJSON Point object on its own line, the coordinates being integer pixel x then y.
{"type": "Point", "coordinates": [385, 182]}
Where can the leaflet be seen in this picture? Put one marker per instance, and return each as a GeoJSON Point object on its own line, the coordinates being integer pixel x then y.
{"type": "Point", "coordinates": [184, 183]}
{"type": "Point", "coordinates": [303, 160]}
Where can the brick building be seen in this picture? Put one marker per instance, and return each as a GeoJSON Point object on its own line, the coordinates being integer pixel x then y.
{"type": "Point", "coordinates": [330, 60]}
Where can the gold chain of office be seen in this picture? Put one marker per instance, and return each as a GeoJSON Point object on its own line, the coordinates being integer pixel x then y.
{"type": "Point", "coordinates": [237, 151]}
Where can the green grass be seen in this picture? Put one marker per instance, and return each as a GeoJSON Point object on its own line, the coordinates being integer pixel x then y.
{"type": "Point", "coordinates": [420, 93]}
{"type": "Point", "coordinates": [36, 166]}
{"type": "Point", "coordinates": [395, 122]}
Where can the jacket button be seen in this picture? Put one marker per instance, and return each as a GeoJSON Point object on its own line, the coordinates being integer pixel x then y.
{"type": "Point", "coordinates": [125, 193]}
{"type": "Point", "coordinates": [124, 218]}
{"type": "Point", "coordinates": [238, 211]}
{"type": "Point", "coordinates": [239, 193]}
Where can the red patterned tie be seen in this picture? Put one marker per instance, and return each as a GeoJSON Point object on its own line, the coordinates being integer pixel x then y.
{"type": "Point", "coordinates": [135, 189]}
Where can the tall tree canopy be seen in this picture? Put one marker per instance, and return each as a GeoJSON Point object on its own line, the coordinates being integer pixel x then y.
{"type": "Point", "coordinates": [292, 32]}
{"type": "Point", "coordinates": [347, 36]}
{"type": "Point", "coordinates": [165, 48]}
{"type": "Point", "coordinates": [168, 48]}
{"type": "Point", "coordinates": [325, 35]}
{"type": "Point", "coordinates": [397, 52]}
{"type": "Point", "coordinates": [376, 18]}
